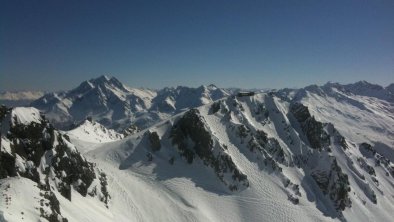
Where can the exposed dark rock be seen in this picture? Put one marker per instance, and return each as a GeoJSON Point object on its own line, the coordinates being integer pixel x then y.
{"type": "Point", "coordinates": [104, 190]}
{"type": "Point", "coordinates": [191, 126]}
{"type": "Point", "coordinates": [194, 140]}
{"type": "Point", "coordinates": [261, 111]}
{"type": "Point", "coordinates": [32, 140]}
{"type": "Point", "coordinates": [154, 141]}
{"type": "Point", "coordinates": [312, 129]}
{"type": "Point", "coordinates": [335, 184]}
{"type": "Point", "coordinates": [293, 199]}
{"type": "Point", "coordinates": [259, 141]}
{"type": "Point", "coordinates": [79, 173]}
{"type": "Point", "coordinates": [380, 160]}
{"type": "Point", "coordinates": [4, 110]}
{"type": "Point", "coordinates": [367, 150]}
{"type": "Point", "coordinates": [39, 141]}
{"type": "Point", "coordinates": [132, 129]}
{"type": "Point", "coordinates": [215, 107]}
{"type": "Point", "coordinates": [243, 132]}
{"type": "Point", "coordinates": [337, 137]}
{"type": "Point", "coordinates": [149, 156]}
{"type": "Point", "coordinates": [53, 204]}
{"type": "Point", "coordinates": [7, 165]}
{"type": "Point", "coordinates": [364, 165]}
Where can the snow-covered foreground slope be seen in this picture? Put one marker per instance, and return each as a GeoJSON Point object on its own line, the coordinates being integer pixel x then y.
{"type": "Point", "coordinates": [286, 174]}
{"type": "Point", "coordinates": [298, 169]}
{"type": "Point", "coordinates": [159, 191]}
{"type": "Point", "coordinates": [41, 172]}
{"type": "Point", "coordinates": [315, 154]}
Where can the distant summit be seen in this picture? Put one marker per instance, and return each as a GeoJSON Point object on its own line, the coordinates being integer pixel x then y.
{"type": "Point", "coordinates": [116, 106]}
{"type": "Point", "coordinates": [106, 100]}
{"type": "Point", "coordinates": [360, 88]}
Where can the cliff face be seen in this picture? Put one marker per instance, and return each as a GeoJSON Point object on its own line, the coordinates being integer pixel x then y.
{"type": "Point", "coordinates": [33, 149]}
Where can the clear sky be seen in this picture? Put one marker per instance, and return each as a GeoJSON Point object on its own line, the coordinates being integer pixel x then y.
{"type": "Point", "coordinates": [56, 44]}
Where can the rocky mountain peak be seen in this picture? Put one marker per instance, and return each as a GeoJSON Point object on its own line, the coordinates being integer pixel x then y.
{"type": "Point", "coordinates": [363, 85]}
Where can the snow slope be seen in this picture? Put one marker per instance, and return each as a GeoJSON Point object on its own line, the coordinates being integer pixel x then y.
{"type": "Point", "coordinates": [188, 192]}
{"type": "Point", "coordinates": [321, 153]}
{"type": "Point", "coordinates": [267, 198]}
{"type": "Point", "coordinates": [25, 115]}
{"type": "Point", "coordinates": [357, 116]}
{"type": "Point", "coordinates": [94, 132]}
{"type": "Point", "coordinates": [41, 172]}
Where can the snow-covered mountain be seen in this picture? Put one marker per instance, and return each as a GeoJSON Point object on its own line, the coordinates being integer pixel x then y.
{"type": "Point", "coordinates": [104, 99]}
{"type": "Point", "coordinates": [19, 98]}
{"type": "Point", "coordinates": [94, 132]}
{"type": "Point", "coordinates": [40, 170]}
{"type": "Point", "coordinates": [320, 153]}
{"type": "Point", "coordinates": [364, 88]}
{"type": "Point", "coordinates": [114, 105]}
{"type": "Point", "coordinates": [390, 88]}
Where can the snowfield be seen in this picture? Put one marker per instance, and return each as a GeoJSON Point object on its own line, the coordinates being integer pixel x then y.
{"type": "Point", "coordinates": [321, 153]}
{"type": "Point", "coordinates": [94, 132]}
{"type": "Point", "coordinates": [25, 115]}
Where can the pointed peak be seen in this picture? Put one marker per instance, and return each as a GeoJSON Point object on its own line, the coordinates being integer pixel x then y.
{"type": "Point", "coordinates": [90, 119]}
{"type": "Point", "coordinates": [104, 78]}
{"type": "Point", "coordinates": [312, 87]}
{"type": "Point", "coordinates": [208, 87]}
{"type": "Point", "coordinates": [362, 83]}
{"type": "Point", "coordinates": [329, 83]}
{"type": "Point", "coordinates": [212, 87]}
{"type": "Point", "coordinates": [100, 79]}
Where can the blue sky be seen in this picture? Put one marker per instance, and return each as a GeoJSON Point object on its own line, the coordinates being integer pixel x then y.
{"type": "Point", "coordinates": [54, 45]}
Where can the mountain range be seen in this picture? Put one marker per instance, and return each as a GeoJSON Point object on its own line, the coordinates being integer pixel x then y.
{"type": "Point", "coordinates": [117, 106]}
{"type": "Point", "coordinates": [319, 153]}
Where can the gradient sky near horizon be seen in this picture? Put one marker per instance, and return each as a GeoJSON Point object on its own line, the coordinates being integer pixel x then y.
{"type": "Point", "coordinates": [54, 45]}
